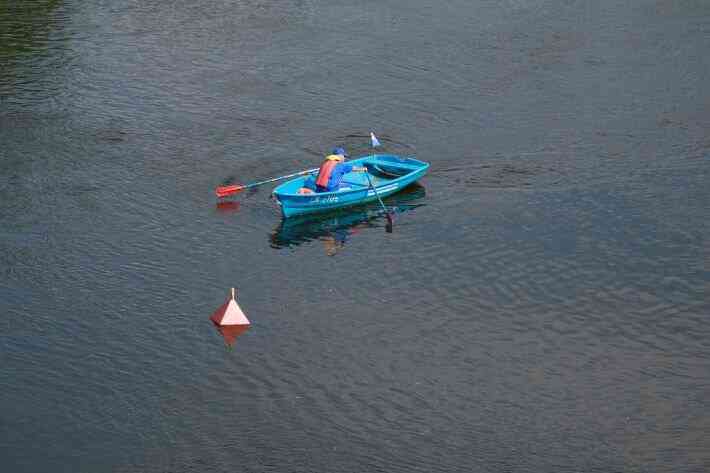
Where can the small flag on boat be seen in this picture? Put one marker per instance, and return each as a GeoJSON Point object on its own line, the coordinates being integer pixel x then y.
{"type": "Point", "coordinates": [375, 141]}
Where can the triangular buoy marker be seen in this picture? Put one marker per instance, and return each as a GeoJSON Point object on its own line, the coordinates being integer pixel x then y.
{"type": "Point", "coordinates": [229, 313]}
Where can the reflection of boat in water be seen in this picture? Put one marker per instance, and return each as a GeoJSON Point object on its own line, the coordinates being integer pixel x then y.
{"type": "Point", "coordinates": [335, 227]}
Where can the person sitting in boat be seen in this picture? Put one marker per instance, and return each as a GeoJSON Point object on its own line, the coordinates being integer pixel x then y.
{"type": "Point", "coordinates": [332, 170]}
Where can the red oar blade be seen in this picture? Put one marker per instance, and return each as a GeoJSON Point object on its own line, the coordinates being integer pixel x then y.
{"type": "Point", "coordinates": [224, 191]}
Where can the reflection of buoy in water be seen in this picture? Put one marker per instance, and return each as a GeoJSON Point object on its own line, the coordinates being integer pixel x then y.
{"type": "Point", "coordinates": [231, 332]}
{"type": "Point", "coordinates": [229, 314]}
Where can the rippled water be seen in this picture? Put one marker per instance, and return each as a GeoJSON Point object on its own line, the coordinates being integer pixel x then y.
{"type": "Point", "coordinates": [542, 304]}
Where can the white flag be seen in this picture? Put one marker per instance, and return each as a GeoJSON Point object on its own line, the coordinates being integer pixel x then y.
{"type": "Point", "coordinates": [375, 141]}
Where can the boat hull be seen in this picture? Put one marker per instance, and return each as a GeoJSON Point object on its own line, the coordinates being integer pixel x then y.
{"type": "Point", "coordinates": [355, 188]}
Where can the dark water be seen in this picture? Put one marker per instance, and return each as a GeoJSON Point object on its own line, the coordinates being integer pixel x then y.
{"type": "Point", "coordinates": [542, 304]}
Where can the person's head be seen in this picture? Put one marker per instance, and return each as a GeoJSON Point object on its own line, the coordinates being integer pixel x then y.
{"type": "Point", "coordinates": [340, 151]}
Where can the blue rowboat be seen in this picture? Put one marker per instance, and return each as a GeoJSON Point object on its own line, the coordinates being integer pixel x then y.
{"type": "Point", "coordinates": [388, 173]}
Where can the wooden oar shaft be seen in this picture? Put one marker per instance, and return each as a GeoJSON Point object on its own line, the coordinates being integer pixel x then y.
{"type": "Point", "coordinates": [367, 174]}
{"type": "Point", "coordinates": [273, 179]}
{"type": "Point", "coordinates": [224, 191]}
{"type": "Point", "coordinates": [388, 227]}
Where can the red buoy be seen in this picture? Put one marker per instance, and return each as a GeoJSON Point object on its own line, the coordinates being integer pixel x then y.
{"type": "Point", "coordinates": [229, 314]}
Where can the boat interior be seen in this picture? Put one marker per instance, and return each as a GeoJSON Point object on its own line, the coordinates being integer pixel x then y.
{"type": "Point", "coordinates": [381, 170]}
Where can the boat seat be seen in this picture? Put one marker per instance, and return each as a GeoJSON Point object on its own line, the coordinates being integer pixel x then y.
{"type": "Point", "coordinates": [354, 183]}
{"type": "Point", "coordinates": [394, 164]}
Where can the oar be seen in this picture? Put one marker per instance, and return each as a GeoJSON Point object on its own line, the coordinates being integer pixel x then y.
{"type": "Point", "coordinates": [224, 191]}
{"type": "Point", "coordinates": [388, 227]}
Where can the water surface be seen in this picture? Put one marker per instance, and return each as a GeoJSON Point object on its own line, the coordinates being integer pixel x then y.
{"type": "Point", "coordinates": [541, 305]}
